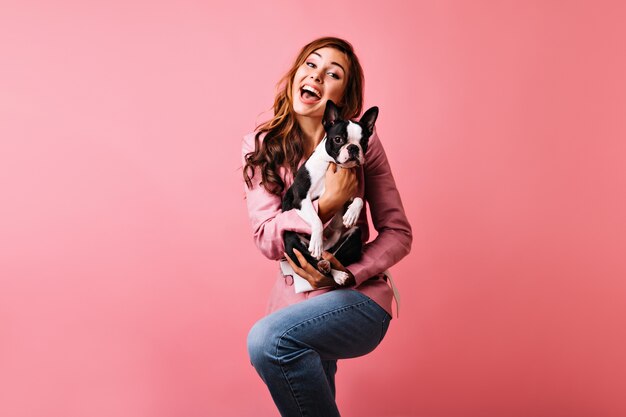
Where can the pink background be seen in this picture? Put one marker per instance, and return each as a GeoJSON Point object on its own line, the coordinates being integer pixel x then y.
{"type": "Point", "coordinates": [128, 276]}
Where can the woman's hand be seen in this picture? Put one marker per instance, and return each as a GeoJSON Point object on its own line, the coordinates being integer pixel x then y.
{"type": "Point", "coordinates": [315, 277]}
{"type": "Point", "coordinates": [340, 186]}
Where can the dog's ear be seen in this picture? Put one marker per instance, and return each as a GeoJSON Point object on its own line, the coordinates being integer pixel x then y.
{"type": "Point", "coordinates": [331, 114]}
{"type": "Point", "coordinates": [369, 118]}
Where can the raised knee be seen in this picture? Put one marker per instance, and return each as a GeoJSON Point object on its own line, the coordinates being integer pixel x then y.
{"type": "Point", "coordinates": [260, 340]}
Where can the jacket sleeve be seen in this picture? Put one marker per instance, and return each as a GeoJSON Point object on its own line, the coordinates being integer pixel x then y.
{"type": "Point", "coordinates": [267, 220]}
{"type": "Point", "coordinates": [394, 231]}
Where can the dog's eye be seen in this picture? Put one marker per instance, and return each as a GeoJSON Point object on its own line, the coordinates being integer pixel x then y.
{"type": "Point", "coordinates": [338, 140]}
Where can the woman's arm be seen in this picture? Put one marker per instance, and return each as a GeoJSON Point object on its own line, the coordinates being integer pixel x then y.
{"type": "Point", "coordinates": [394, 231]}
{"type": "Point", "coordinates": [267, 220]}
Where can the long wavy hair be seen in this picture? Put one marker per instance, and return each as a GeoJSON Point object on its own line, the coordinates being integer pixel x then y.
{"type": "Point", "coordinates": [283, 144]}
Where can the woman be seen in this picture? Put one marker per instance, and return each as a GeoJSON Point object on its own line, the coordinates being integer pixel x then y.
{"type": "Point", "coordinates": [296, 347]}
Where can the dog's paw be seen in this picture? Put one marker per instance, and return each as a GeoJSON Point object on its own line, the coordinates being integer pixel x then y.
{"type": "Point", "coordinates": [316, 246]}
{"type": "Point", "coordinates": [323, 266]}
{"type": "Point", "coordinates": [340, 277]}
{"type": "Point", "coordinates": [352, 214]}
{"type": "Point", "coordinates": [350, 218]}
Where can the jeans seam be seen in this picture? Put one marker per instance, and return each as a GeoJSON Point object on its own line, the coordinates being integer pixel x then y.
{"type": "Point", "coordinates": [386, 319]}
{"type": "Point", "coordinates": [282, 368]}
{"type": "Point", "coordinates": [293, 393]}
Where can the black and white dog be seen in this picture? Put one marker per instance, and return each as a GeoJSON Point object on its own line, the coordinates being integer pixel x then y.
{"type": "Point", "coordinates": [345, 144]}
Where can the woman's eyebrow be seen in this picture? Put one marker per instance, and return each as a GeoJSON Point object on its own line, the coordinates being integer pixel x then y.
{"type": "Point", "coordinates": [334, 63]}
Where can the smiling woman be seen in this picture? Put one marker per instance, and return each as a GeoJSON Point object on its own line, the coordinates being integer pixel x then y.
{"type": "Point", "coordinates": [325, 65]}
{"type": "Point", "coordinates": [322, 76]}
{"type": "Point", "coordinates": [295, 348]}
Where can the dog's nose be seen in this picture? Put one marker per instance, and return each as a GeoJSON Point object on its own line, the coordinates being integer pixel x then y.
{"type": "Point", "coordinates": [353, 151]}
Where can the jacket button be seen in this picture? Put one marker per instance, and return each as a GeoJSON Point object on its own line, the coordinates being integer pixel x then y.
{"type": "Point", "coordinates": [289, 280]}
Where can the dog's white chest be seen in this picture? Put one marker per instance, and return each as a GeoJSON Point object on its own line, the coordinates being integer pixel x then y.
{"type": "Point", "coordinates": [317, 187]}
{"type": "Point", "coordinates": [317, 166]}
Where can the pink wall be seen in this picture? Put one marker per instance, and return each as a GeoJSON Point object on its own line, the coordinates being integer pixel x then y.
{"type": "Point", "coordinates": [128, 277]}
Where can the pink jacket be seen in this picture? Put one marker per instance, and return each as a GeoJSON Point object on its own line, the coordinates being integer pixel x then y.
{"type": "Point", "coordinates": [378, 189]}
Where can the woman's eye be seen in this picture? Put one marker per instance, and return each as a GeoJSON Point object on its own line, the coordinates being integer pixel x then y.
{"type": "Point", "coordinates": [310, 64]}
{"type": "Point", "coordinates": [332, 74]}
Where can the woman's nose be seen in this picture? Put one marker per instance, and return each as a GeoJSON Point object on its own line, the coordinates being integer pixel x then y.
{"type": "Point", "coordinates": [316, 76]}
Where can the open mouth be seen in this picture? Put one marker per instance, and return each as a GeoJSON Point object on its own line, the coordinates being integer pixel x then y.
{"type": "Point", "coordinates": [309, 94]}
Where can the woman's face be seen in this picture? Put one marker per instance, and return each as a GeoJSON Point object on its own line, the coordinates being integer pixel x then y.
{"type": "Point", "coordinates": [322, 77]}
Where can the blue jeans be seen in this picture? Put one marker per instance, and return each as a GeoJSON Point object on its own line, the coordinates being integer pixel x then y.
{"type": "Point", "coordinates": [295, 349]}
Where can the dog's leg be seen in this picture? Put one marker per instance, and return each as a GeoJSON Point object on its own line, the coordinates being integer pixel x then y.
{"type": "Point", "coordinates": [347, 251]}
{"type": "Point", "coordinates": [294, 241]}
{"type": "Point", "coordinates": [308, 213]}
{"type": "Point", "coordinates": [340, 277]}
{"type": "Point", "coordinates": [353, 212]}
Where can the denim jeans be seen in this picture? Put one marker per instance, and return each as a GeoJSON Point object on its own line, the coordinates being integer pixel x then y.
{"type": "Point", "coordinates": [295, 349]}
